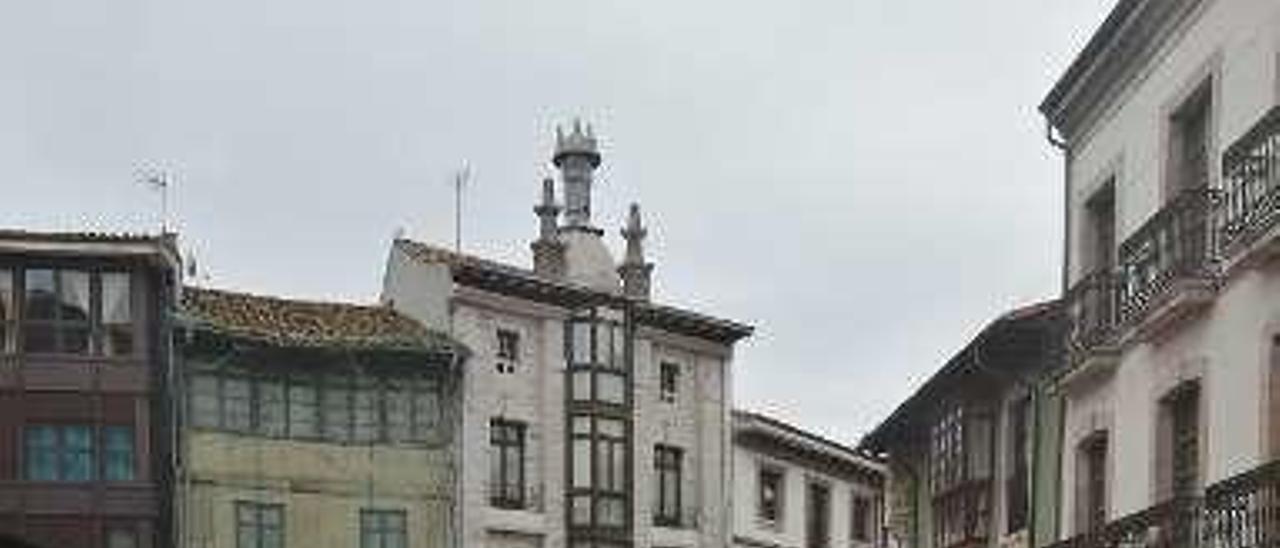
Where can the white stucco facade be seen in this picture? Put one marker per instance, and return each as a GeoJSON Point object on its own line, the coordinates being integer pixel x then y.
{"type": "Point", "coordinates": [1224, 345]}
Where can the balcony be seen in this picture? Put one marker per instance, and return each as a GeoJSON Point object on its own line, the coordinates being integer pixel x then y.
{"type": "Point", "coordinates": [1251, 197]}
{"type": "Point", "coordinates": [515, 496]}
{"type": "Point", "coordinates": [1239, 512]}
{"type": "Point", "coordinates": [1093, 313]}
{"type": "Point", "coordinates": [1167, 267]}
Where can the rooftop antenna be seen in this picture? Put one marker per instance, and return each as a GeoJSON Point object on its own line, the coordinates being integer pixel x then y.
{"type": "Point", "coordinates": [460, 180]}
{"type": "Point", "coordinates": [158, 182]}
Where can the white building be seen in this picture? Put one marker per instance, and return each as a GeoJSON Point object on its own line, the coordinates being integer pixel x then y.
{"type": "Point", "coordinates": [593, 416]}
{"type": "Point", "coordinates": [792, 489]}
{"type": "Point", "coordinates": [1169, 125]}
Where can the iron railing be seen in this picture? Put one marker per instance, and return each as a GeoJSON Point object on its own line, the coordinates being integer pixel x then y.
{"type": "Point", "coordinates": [1093, 309]}
{"type": "Point", "coordinates": [1172, 524]}
{"type": "Point", "coordinates": [1176, 243]}
{"type": "Point", "coordinates": [1251, 183]}
{"type": "Point", "coordinates": [515, 496]}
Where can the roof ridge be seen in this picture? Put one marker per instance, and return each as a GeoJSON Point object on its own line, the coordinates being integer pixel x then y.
{"type": "Point", "coordinates": [286, 300]}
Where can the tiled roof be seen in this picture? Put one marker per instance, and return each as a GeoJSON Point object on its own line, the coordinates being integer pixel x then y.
{"type": "Point", "coordinates": [526, 283]}
{"type": "Point", "coordinates": [298, 323]}
{"type": "Point", "coordinates": [55, 236]}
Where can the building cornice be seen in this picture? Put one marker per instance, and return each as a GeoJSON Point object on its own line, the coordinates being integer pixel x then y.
{"type": "Point", "coordinates": [1133, 33]}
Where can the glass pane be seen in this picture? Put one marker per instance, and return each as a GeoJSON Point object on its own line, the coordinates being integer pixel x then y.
{"type": "Point", "coordinates": [582, 385]}
{"type": "Point", "coordinates": [117, 314]}
{"type": "Point", "coordinates": [337, 413]}
{"type": "Point", "coordinates": [271, 408]}
{"type": "Point", "coordinates": [396, 403]}
{"type": "Point", "coordinates": [73, 296]}
{"type": "Point", "coordinates": [39, 338]}
{"type": "Point", "coordinates": [41, 455]}
{"type": "Point", "coordinates": [582, 425]}
{"type": "Point", "coordinates": [75, 339]}
{"type": "Point", "coordinates": [119, 449]}
{"type": "Point", "coordinates": [609, 511]}
{"type": "Point", "coordinates": [581, 510]}
{"type": "Point", "coordinates": [204, 400]}
{"type": "Point", "coordinates": [366, 417]}
{"type": "Point", "coordinates": [619, 347]}
{"type": "Point", "coordinates": [248, 537]}
{"type": "Point", "coordinates": [426, 412]}
{"type": "Point", "coordinates": [610, 427]}
{"type": "Point", "coordinates": [610, 387]}
{"type": "Point", "coordinates": [302, 410]}
{"type": "Point", "coordinates": [582, 462]}
{"type": "Point", "coordinates": [581, 351]}
{"type": "Point", "coordinates": [604, 343]}
{"type": "Point", "coordinates": [236, 409]}
{"type": "Point", "coordinates": [41, 301]}
{"type": "Point", "coordinates": [122, 538]}
{"type": "Point", "coordinates": [77, 453]}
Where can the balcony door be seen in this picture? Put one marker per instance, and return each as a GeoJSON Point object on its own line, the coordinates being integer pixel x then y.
{"type": "Point", "coordinates": [818, 516]}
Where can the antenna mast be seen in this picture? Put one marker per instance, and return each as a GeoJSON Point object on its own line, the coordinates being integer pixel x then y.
{"type": "Point", "coordinates": [158, 182]}
{"type": "Point", "coordinates": [460, 180]}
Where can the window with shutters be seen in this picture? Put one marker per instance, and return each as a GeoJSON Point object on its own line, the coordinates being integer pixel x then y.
{"type": "Point", "coordinates": [668, 464]}
{"type": "Point", "coordinates": [506, 464]}
{"type": "Point", "coordinates": [1091, 483]}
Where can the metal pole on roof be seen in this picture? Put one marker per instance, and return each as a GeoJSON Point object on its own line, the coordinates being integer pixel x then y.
{"type": "Point", "coordinates": [460, 180]}
{"type": "Point", "coordinates": [158, 182]}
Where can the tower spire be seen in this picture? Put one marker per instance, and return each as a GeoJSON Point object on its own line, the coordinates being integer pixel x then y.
{"type": "Point", "coordinates": [635, 272]}
{"type": "Point", "coordinates": [577, 156]}
{"type": "Point", "coordinates": [548, 250]}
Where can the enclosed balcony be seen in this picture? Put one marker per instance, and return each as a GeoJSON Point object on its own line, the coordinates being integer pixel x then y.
{"type": "Point", "coordinates": [1251, 197]}
{"type": "Point", "coordinates": [1168, 269]}
{"type": "Point", "coordinates": [1093, 313]}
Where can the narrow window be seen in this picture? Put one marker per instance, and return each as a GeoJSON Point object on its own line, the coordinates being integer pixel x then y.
{"type": "Point", "coordinates": [77, 453]}
{"type": "Point", "coordinates": [205, 401]}
{"type": "Point", "coordinates": [237, 404]}
{"type": "Point", "coordinates": [668, 470]}
{"type": "Point", "coordinates": [8, 314]}
{"type": "Point", "coordinates": [426, 410]}
{"type": "Point", "coordinates": [259, 525]}
{"type": "Point", "coordinates": [336, 398]}
{"type": "Point", "coordinates": [818, 516]}
{"type": "Point", "coordinates": [41, 453]}
{"type": "Point", "coordinates": [383, 529]}
{"type": "Point", "coordinates": [669, 381]}
{"type": "Point", "coordinates": [304, 408]}
{"type": "Point", "coordinates": [1101, 208]}
{"type": "Point", "coordinates": [271, 420]}
{"type": "Point", "coordinates": [1182, 407]}
{"type": "Point", "coordinates": [59, 453]}
{"type": "Point", "coordinates": [860, 526]}
{"type": "Point", "coordinates": [1091, 483]}
{"type": "Point", "coordinates": [365, 414]}
{"type": "Point", "coordinates": [57, 311]}
{"type": "Point", "coordinates": [1189, 144]}
{"type": "Point", "coordinates": [506, 464]}
{"type": "Point", "coordinates": [118, 444]}
{"type": "Point", "coordinates": [117, 315]}
{"type": "Point", "coordinates": [508, 345]}
{"type": "Point", "coordinates": [769, 496]}
{"type": "Point", "coordinates": [398, 412]}
{"type": "Point", "coordinates": [1016, 483]}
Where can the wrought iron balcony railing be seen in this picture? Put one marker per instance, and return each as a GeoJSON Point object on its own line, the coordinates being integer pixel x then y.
{"type": "Point", "coordinates": [515, 496]}
{"type": "Point", "coordinates": [1093, 309]}
{"type": "Point", "coordinates": [686, 518]}
{"type": "Point", "coordinates": [1251, 184]}
{"type": "Point", "coordinates": [1239, 512]}
{"type": "Point", "coordinates": [1176, 244]}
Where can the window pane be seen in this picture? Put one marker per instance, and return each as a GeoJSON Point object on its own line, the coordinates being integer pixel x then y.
{"type": "Point", "coordinates": [610, 427]}
{"type": "Point", "coordinates": [582, 462]}
{"type": "Point", "coordinates": [7, 312]}
{"type": "Point", "coordinates": [366, 417]}
{"type": "Point", "coordinates": [119, 449]}
{"type": "Point", "coordinates": [117, 314]}
{"type": "Point", "coordinates": [337, 413]}
{"type": "Point", "coordinates": [41, 455]}
{"type": "Point", "coordinates": [302, 409]}
{"type": "Point", "coordinates": [73, 297]}
{"type": "Point", "coordinates": [610, 387]}
{"type": "Point", "coordinates": [271, 408]}
{"type": "Point", "coordinates": [619, 347]}
{"type": "Point", "coordinates": [582, 385]}
{"type": "Point", "coordinates": [41, 301]}
{"type": "Point", "coordinates": [581, 510]}
{"type": "Point", "coordinates": [604, 344]}
{"type": "Point", "coordinates": [426, 411]}
{"type": "Point", "coordinates": [609, 511]}
{"type": "Point", "coordinates": [236, 409]}
{"type": "Point", "coordinates": [204, 401]}
{"type": "Point", "coordinates": [396, 403]}
{"type": "Point", "coordinates": [77, 453]}
{"type": "Point", "coordinates": [122, 538]}
{"type": "Point", "coordinates": [581, 342]}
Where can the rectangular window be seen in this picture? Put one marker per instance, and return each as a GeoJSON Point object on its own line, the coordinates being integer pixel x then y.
{"type": "Point", "coordinates": [304, 408]}
{"type": "Point", "coordinates": [270, 407]}
{"type": "Point", "coordinates": [383, 529]}
{"type": "Point", "coordinates": [59, 453]}
{"type": "Point", "coordinates": [399, 414]}
{"type": "Point", "coordinates": [961, 461]}
{"type": "Point", "coordinates": [668, 463]}
{"type": "Point", "coordinates": [1017, 495]}
{"type": "Point", "coordinates": [506, 465]}
{"type": "Point", "coordinates": [426, 410]}
{"type": "Point", "coordinates": [237, 404]}
{"type": "Point", "coordinates": [259, 525]}
{"type": "Point", "coordinates": [337, 410]}
{"type": "Point", "coordinates": [8, 314]}
{"type": "Point", "coordinates": [1101, 208]}
{"type": "Point", "coordinates": [818, 516]}
{"type": "Point", "coordinates": [669, 381]}
{"type": "Point", "coordinates": [1189, 144]}
{"type": "Point", "coordinates": [365, 414]}
{"type": "Point", "coordinates": [118, 443]}
{"type": "Point", "coordinates": [769, 494]}
{"type": "Point", "coordinates": [1181, 408]}
{"type": "Point", "coordinates": [508, 345]}
{"type": "Point", "coordinates": [117, 314]}
{"type": "Point", "coordinates": [57, 311]}
{"type": "Point", "coordinates": [860, 525]}
{"type": "Point", "coordinates": [1091, 483]}
{"type": "Point", "coordinates": [205, 404]}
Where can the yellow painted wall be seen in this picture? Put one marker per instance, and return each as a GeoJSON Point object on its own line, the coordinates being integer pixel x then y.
{"type": "Point", "coordinates": [323, 487]}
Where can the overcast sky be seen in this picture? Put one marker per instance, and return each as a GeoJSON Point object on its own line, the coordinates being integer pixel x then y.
{"type": "Point", "coordinates": [865, 181]}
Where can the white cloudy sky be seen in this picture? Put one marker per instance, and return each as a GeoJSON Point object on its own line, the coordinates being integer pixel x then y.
{"type": "Point", "coordinates": [866, 181]}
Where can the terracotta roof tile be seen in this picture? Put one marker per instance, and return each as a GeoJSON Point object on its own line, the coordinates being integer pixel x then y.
{"type": "Point", "coordinates": [298, 323]}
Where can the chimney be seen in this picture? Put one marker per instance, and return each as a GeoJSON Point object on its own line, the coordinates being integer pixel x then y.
{"type": "Point", "coordinates": [548, 250]}
{"type": "Point", "coordinates": [635, 272]}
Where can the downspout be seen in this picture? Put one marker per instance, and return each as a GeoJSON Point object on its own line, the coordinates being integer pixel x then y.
{"type": "Point", "coordinates": [1062, 145]}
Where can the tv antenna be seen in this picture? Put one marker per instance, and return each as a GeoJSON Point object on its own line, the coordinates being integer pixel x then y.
{"type": "Point", "coordinates": [461, 179]}
{"type": "Point", "coordinates": [158, 182]}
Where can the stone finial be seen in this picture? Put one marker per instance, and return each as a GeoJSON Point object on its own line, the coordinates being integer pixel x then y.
{"type": "Point", "coordinates": [635, 272]}
{"type": "Point", "coordinates": [577, 155]}
{"type": "Point", "coordinates": [548, 250]}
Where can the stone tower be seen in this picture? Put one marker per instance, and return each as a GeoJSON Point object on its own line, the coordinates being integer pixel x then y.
{"type": "Point", "coordinates": [587, 260]}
